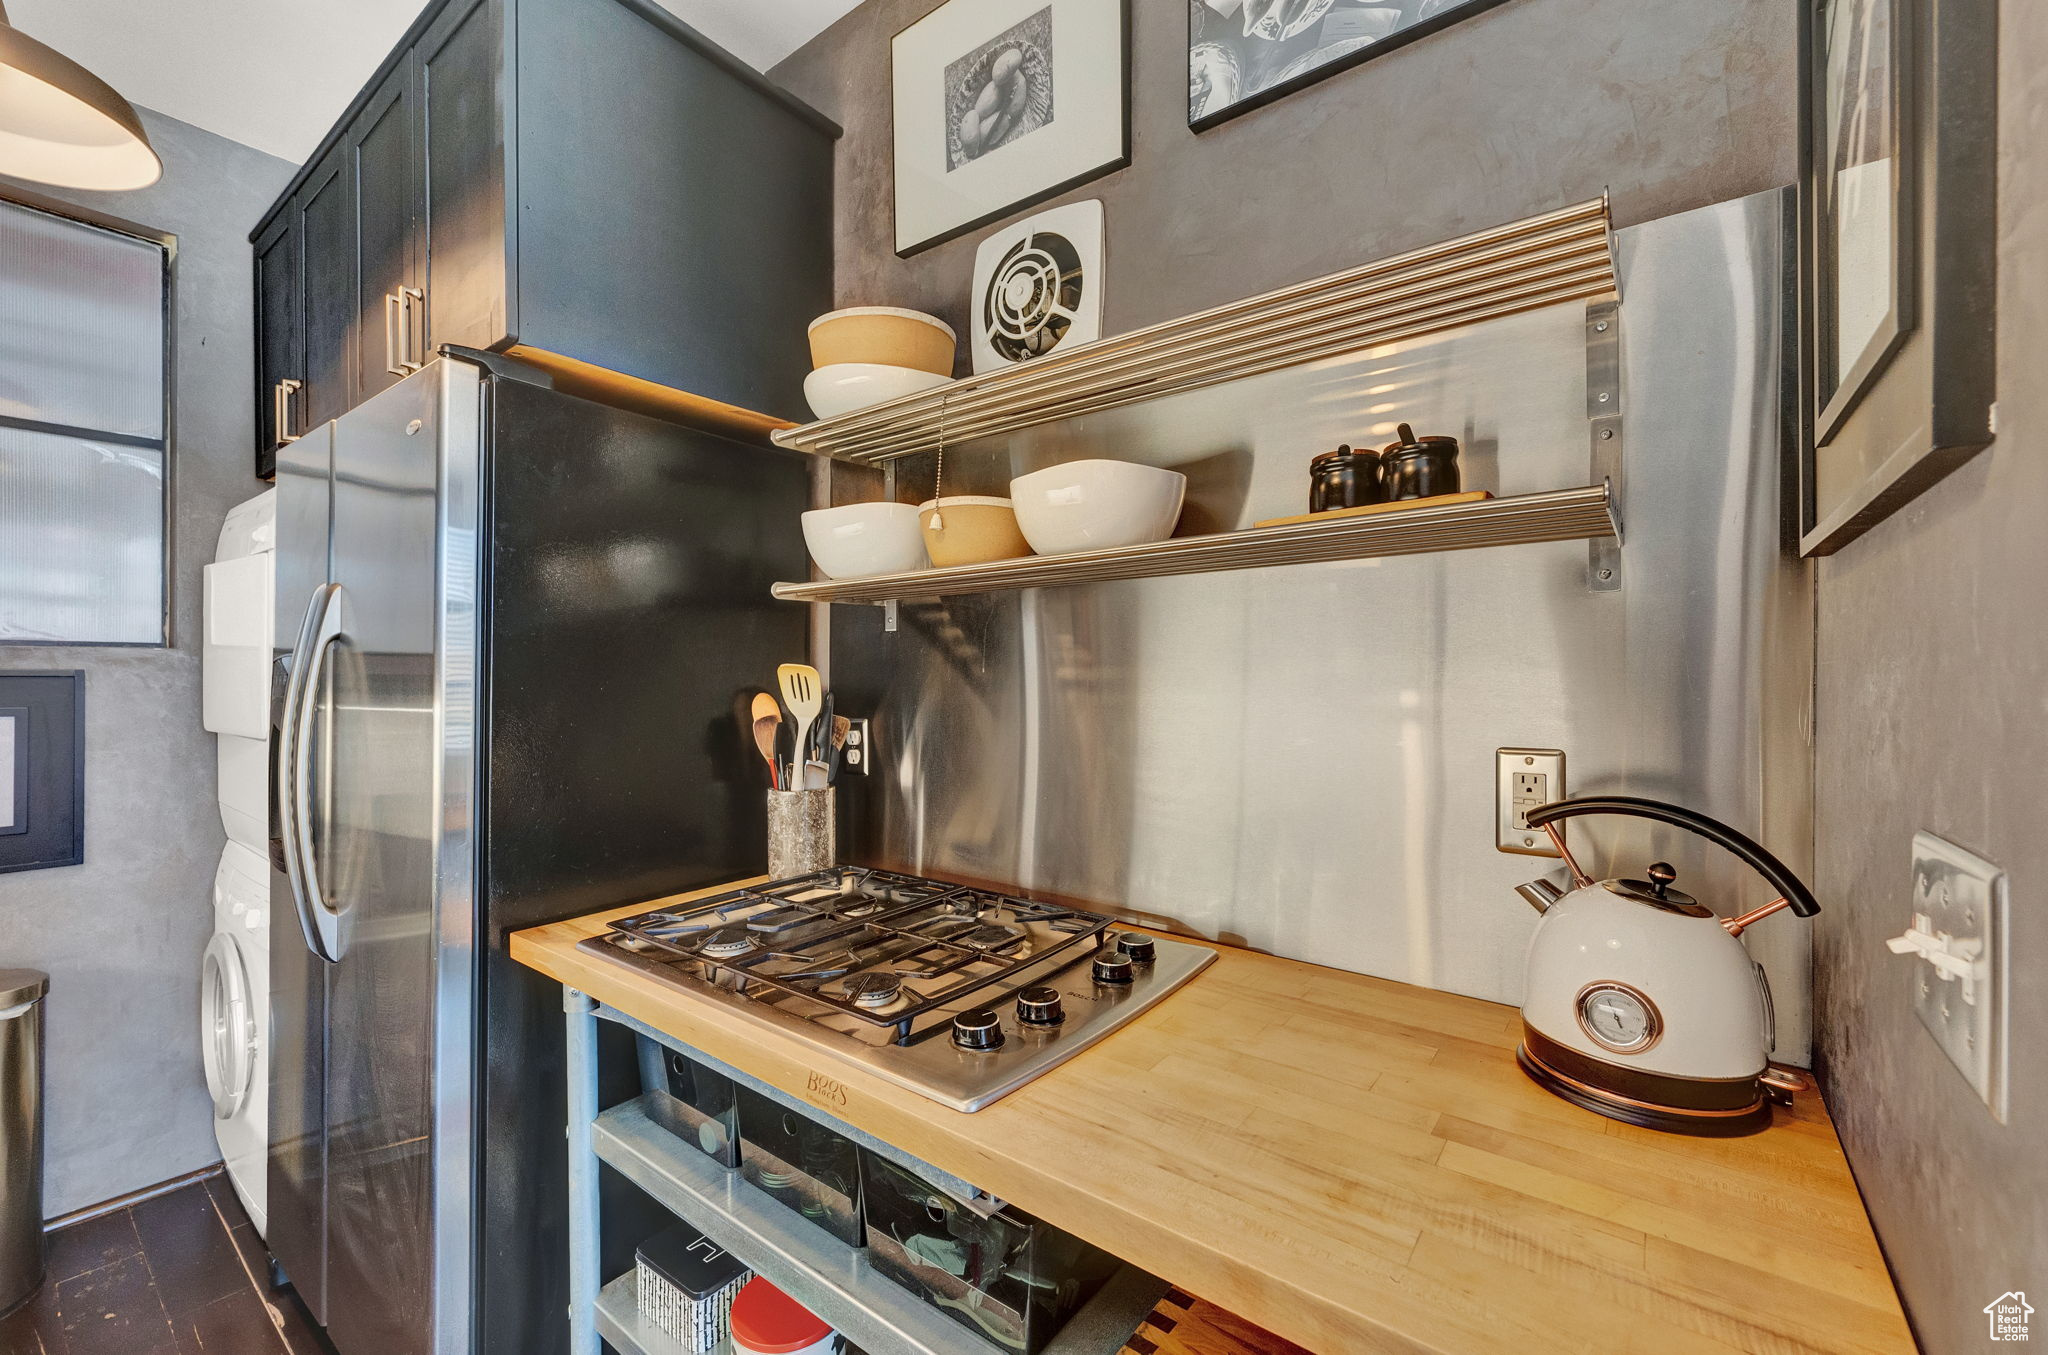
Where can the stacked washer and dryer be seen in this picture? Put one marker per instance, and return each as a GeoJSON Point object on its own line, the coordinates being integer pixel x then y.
{"type": "Point", "coordinates": [234, 991]}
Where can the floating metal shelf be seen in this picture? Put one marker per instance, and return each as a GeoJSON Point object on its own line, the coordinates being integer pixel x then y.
{"type": "Point", "coordinates": [833, 1280]}
{"type": "Point", "coordinates": [1560, 515]}
{"type": "Point", "coordinates": [1562, 256]}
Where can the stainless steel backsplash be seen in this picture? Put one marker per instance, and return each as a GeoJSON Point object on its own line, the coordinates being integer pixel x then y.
{"type": "Point", "coordinates": [1301, 759]}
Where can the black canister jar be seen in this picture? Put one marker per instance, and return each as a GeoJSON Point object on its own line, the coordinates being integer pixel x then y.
{"type": "Point", "coordinates": [1420, 468]}
{"type": "Point", "coordinates": [1344, 479]}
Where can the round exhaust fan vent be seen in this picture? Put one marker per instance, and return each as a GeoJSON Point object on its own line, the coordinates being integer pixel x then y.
{"type": "Point", "coordinates": [1038, 287]}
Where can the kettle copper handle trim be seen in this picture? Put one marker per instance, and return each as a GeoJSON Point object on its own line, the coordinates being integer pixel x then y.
{"type": "Point", "coordinates": [1794, 893]}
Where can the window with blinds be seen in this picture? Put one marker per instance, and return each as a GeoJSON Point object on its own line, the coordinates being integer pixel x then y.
{"type": "Point", "coordinates": [82, 444]}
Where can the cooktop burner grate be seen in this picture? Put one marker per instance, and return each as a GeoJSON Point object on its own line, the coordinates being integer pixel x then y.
{"type": "Point", "coordinates": [871, 944]}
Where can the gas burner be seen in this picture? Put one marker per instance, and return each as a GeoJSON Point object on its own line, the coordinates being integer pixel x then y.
{"type": "Point", "coordinates": [874, 988]}
{"type": "Point", "coordinates": [893, 952]}
{"type": "Point", "coordinates": [882, 968]}
{"type": "Point", "coordinates": [997, 936]}
{"type": "Point", "coordinates": [727, 941]}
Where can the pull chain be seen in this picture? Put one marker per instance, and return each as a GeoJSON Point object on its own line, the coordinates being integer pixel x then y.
{"type": "Point", "coordinates": [938, 522]}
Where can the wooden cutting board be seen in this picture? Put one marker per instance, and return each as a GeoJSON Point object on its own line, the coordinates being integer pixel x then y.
{"type": "Point", "coordinates": [1367, 510]}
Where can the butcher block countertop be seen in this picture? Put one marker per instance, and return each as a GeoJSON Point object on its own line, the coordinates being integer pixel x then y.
{"type": "Point", "coordinates": [1359, 1166]}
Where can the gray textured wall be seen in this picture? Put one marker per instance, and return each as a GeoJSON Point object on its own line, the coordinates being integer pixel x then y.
{"type": "Point", "coordinates": [1537, 104]}
{"type": "Point", "coordinates": [122, 934]}
{"type": "Point", "coordinates": [1932, 712]}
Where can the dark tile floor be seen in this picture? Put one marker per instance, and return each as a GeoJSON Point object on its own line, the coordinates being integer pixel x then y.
{"type": "Point", "coordinates": [182, 1274]}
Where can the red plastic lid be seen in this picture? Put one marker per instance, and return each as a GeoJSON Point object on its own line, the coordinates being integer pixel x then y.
{"type": "Point", "coordinates": [767, 1320]}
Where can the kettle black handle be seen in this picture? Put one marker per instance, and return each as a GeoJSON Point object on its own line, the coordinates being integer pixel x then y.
{"type": "Point", "coordinates": [1770, 867]}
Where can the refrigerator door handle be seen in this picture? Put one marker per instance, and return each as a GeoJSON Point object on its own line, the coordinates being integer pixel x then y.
{"type": "Point", "coordinates": [287, 737]}
{"type": "Point", "coordinates": [326, 935]}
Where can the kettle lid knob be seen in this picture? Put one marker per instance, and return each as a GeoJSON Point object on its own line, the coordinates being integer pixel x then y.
{"type": "Point", "coordinates": [1661, 875]}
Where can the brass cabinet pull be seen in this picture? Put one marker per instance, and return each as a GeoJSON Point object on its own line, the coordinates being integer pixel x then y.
{"type": "Point", "coordinates": [281, 409]}
{"type": "Point", "coordinates": [409, 326]}
{"type": "Point", "coordinates": [394, 333]}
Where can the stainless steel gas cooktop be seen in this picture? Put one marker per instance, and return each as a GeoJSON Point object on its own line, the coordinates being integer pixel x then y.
{"type": "Point", "coordinates": [960, 994]}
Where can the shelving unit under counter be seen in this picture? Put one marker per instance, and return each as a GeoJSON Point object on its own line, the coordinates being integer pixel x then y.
{"type": "Point", "coordinates": [833, 1280]}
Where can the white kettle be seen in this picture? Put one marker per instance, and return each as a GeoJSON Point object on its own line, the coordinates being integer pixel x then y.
{"type": "Point", "coordinates": [1642, 1004]}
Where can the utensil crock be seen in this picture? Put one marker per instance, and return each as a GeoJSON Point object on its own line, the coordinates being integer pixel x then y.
{"type": "Point", "coordinates": [803, 831]}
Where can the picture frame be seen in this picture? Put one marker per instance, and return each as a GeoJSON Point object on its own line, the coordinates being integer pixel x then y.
{"type": "Point", "coordinates": [1244, 54]}
{"type": "Point", "coordinates": [1863, 198]}
{"type": "Point", "coordinates": [1898, 255]}
{"type": "Point", "coordinates": [13, 770]}
{"type": "Point", "coordinates": [42, 766]}
{"type": "Point", "coordinates": [1001, 105]}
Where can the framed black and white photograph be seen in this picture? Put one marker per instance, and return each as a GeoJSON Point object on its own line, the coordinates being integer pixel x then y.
{"type": "Point", "coordinates": [1864, 195]}
{"type": "Point", "coordinates": [1244, 53]}
{"type": "Point", "coordinates": [1899, 254]}
{"type": "Point", "coordinates": [42, 770]}
{"type": "Point", "coordinates": [1001, 104]}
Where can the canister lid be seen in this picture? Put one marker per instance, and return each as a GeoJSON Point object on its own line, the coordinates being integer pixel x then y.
{"type": "Point", "coordinates": [1409, 444]}
{"type": "Point", "coordinates": [1344, 454]}
{"type": "Point", "coordinates": [690, 1261]}
{"type": "Point", "coordinates": [22, 985]}
{"type": "Point", "coordinates": [767, 1320]}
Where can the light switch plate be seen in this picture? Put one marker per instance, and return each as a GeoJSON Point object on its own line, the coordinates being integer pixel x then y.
{"type": "Point", "coordinates": [1523, 779]}
{"type": "Point", "coordinates": [1961, 896]}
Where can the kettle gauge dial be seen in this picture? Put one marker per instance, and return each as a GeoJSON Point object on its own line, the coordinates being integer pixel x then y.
{"type": "Point", "coordinates": [1619, 1018]}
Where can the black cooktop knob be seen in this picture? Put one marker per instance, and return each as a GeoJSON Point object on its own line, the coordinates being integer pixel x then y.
{"type": "Point", "coordinates": [1040, 1007]}
{"type": "Point", "coordinates": [1112, 966]}
{"type": "Point", "coordinates": [1138, 947]}
{"type": "Point", "coordinates": [980, 1030]}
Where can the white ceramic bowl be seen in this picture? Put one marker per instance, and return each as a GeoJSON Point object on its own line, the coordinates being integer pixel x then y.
{"type": "Point", "coordinates": [846, 386]}
{"type": "Point", "coordinates": [859, 540]}
{"type": "Point", "coordinates": [1094, 505]}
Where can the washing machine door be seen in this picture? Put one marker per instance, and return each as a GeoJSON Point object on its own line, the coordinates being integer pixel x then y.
{"type": "Point", "coordinates": [227, 1026]}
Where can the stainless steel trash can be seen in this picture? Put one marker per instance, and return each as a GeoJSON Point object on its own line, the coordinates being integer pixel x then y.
{"type": "Point", "coordinates": [21, 1135]}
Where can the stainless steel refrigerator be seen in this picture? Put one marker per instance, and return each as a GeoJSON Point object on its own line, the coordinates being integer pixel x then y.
{"type": "Point", "coordinates": [518, 623]}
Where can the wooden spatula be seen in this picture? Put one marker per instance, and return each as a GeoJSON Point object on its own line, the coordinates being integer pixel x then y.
{"type": "Point", "coordinates": [803, 691]}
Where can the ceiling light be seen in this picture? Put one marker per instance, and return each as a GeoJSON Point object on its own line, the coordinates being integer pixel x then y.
{"type": "Point", "coordinates": [61, 124]}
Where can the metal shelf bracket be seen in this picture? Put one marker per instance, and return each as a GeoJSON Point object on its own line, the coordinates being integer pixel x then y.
{"type": "Point", "coordinates": [1604, 426]}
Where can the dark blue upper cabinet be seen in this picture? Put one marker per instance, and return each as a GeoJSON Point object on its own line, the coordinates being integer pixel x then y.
{"type": "Point", "coordinates": [586, 183]}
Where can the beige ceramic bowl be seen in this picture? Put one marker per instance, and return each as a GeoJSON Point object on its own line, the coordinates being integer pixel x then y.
{"type": "Point", "coordinates": [975, 531]}
{"type": "Point", "coordinates": [884, 335]}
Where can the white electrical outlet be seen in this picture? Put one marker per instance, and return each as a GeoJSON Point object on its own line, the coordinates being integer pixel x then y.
{"type": "Point", "coordinates": [858, 755]}
{"type": "Point", "coordinates": [1958, 939]}
{"type": "Point", "coordinates": [1524, 778]}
